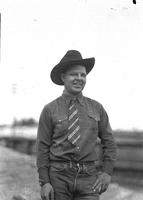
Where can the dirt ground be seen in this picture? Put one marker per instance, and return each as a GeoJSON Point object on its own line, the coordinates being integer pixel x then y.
{"type": "Point", "coordinates": [18, 176]}
{"type": "Point", "coordinates": [19, 180]}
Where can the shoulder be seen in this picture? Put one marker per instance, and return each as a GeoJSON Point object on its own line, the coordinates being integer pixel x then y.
{"type": "Point", "coordinates": [92, 102]}
{"type": "Point", "coordinates": [51, 106]}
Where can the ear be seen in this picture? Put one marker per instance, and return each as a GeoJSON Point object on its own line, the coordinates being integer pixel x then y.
{"type": "Point", "coordinates": [63, 77]}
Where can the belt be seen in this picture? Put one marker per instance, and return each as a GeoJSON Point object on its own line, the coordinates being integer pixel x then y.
{"type": "Point", "coordinates": [73, 164]}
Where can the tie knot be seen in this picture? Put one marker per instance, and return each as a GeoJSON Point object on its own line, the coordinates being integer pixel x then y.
{"type": "Point", "coordinates": [72, 104]}
{"type": "Point", "coordinates": [73, 100]}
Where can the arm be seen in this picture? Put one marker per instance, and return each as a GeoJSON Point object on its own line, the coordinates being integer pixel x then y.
{"type": "Point", "coordinates": [108, 143]}
{"type": "Point", "coordinates": [109, 153]}
{"type": "Point", "coordinates": [43, 150]}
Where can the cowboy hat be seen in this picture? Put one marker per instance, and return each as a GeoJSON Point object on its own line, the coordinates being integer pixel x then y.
{"type": "Point", "coordinates": [72, 57]}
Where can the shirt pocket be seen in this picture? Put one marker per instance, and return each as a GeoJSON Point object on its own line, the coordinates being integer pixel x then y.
{"type": "Point", "coordinates": [60, 124]}
{"type": "Point", "coordinates": [93, 121]}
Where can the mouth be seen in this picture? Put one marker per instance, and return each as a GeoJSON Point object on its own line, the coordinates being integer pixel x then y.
{"type": "Point", "coordinates": [77, 85]}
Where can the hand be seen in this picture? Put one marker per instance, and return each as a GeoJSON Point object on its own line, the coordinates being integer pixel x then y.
{"type": "Point", "coordinates": [47, 192]}
{"type": "Point", "coordinates": [102, 182]}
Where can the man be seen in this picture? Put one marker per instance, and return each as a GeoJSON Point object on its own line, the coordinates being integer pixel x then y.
{"type": "Point", "coordinates": [69, 164]}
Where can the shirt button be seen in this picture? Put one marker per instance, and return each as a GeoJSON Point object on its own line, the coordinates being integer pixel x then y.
{"type": "Point", "coordinates": [78, 148]}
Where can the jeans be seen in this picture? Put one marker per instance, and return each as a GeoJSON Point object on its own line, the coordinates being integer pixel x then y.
{"type": "Point", "coordinates": [73, 182]}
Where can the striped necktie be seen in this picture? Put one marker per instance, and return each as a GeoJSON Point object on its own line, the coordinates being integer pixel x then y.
{"type": "Point", "coordinates": [74, 127]}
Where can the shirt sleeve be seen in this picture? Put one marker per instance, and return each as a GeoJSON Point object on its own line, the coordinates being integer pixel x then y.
{"type": "Point", "coordinates": [109, 147]}
{"type": "Point", "coordinates": [43, 145]}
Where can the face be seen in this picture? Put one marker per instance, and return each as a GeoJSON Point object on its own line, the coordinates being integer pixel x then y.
{"type": "Point", "coordinates": [74, 79]}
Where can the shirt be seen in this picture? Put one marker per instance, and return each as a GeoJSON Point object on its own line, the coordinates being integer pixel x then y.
{"type": "Point", "coordinates": [52, 142]}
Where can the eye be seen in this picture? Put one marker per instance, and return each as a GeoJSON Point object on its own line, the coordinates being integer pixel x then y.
{"type": "Point", "coordinates": [83, 75]}
{"type": "Point", "coordinates": [73, 74]}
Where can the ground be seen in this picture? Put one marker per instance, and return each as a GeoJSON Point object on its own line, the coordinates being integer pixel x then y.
{"type": "Point", "coordinates": [19, 180]}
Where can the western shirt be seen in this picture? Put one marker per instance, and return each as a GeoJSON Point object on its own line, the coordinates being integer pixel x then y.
{"type": "Point", "coordinates": [52, 141]}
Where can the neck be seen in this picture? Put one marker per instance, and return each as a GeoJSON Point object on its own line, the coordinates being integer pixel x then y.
{"type": "Point", "coordinates": [71, 94]}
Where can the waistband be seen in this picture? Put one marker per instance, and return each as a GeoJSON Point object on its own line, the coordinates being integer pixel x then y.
{"type": "Point", "coordinates": [76, 164]}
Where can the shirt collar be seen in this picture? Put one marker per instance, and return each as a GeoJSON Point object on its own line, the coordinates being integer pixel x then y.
{"type": "Point", "coordinates": [68, 97]}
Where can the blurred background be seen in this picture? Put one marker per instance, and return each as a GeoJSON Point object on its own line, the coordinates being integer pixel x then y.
{"type": "Point", "coordinates": [35, 35]}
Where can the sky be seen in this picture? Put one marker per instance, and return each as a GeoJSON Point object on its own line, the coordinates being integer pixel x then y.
{"type": "Point", "coordinates": [36, 34]}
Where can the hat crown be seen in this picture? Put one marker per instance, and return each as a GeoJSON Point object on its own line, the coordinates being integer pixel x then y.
{"type": "Point", "coordinates": [71, 55]}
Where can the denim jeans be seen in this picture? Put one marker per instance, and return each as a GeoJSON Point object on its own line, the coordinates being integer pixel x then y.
{"type": "Point", "coordinates": [74, 182]}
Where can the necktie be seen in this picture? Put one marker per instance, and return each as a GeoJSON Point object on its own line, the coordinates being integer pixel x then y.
{"type": "Point", "coordinates": [74, 127]}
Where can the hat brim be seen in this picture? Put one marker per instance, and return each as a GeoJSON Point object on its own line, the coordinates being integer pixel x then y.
{"type": "Point", "coordinates": [62, 67]}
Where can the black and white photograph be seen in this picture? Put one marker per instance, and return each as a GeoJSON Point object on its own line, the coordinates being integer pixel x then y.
{"type": "Point", "coordinates": [71, 100]}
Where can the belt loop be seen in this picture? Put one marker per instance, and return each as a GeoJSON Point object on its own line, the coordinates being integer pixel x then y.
{"type": "Point", "coordinates": [84, 167]}
{"type": "Point", "coordinates": [70, 164]}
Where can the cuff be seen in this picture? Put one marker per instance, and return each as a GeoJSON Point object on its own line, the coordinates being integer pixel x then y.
{"type": "Point", "coordinates": [43, 176]}
{"type": "Point", "coordinates": [108, 167]}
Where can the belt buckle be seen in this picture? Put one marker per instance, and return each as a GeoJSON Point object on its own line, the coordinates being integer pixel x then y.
{"type": "Point", "coordinates": [79, 167]}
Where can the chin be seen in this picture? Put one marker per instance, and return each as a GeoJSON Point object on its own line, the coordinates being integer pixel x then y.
{"type": "Point", "coordinates": [75, 92]}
